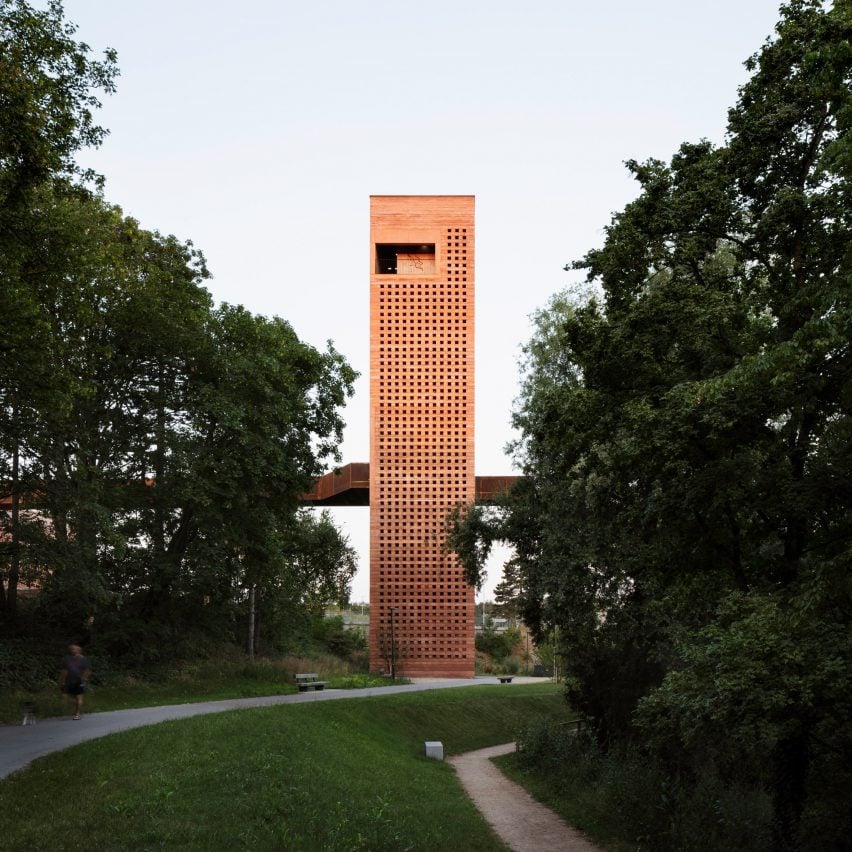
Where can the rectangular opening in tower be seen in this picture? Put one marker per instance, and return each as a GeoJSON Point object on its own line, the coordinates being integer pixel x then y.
{"type": "Point", "coordinates": [405, 259]}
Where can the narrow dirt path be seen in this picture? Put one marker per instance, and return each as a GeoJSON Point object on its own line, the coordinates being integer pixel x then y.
{"type": "Point", "coordinates": [524, 824]}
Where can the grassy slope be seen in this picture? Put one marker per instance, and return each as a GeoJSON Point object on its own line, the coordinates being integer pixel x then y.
{"type": "Point", "coordinates": [328, 775]}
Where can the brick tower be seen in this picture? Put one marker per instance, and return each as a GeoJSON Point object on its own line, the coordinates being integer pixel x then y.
{"type": "Point", "coordinates": [421, 428]}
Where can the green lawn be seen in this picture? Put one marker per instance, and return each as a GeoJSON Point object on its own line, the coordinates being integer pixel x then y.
{"type": "Point", "coordinates": [336, 775]}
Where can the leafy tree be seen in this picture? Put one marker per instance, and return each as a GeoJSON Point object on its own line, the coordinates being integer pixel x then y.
{"type": "Point", "coordinates": [83, 400]}
{"type": "Point", "coordinates": [686, 432]}
{"type": "Point", "coordinates": [262, 421]}
{"type": "Point", "coordinates": [162, 442]}
{"type": "Point", "coordinates": [48, 85]}
{"type": "Point", "coordinates": [166, 442]}
{"type": "Point", "coordinates": [309, 566]}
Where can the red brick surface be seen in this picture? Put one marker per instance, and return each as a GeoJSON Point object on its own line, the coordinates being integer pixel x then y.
{"type": "Point", "coordinates": [421, 427]}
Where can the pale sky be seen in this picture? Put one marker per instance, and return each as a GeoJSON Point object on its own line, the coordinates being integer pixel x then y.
{"type": "Point", "coordinates": [259, 130]}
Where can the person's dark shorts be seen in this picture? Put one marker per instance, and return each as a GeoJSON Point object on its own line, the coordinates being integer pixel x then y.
{"type": "Point", "coordinates": [75, 688]}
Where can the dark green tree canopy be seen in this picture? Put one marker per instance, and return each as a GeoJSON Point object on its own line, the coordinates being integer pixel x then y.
{"type": "Point", "coordinates": [48, 85]}
{"type": "Point", "coordinates": [164, 439]}
{"type": "Point", "coordinates": [154, 445]}
{"type": "Point", "coordinates": [685, 436]}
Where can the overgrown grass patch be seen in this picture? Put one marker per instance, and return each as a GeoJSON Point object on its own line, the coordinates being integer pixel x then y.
{"type": "Point", "coordinates": [228, 675]}
{"type": "Point", "coordinates": [624, 801]}
{"type": "Point", "coordinates": [362, 680]}
{"type": "Point", "coordinates": [334, 775]}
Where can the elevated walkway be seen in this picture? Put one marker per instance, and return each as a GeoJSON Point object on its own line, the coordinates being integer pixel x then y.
{"type": "Point", "coordinates": [350, 486]}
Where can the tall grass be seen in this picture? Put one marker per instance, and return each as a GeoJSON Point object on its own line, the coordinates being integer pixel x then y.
{"type": "Point", "coordinates": [336, 775]}
{"type": "Point", "coordinates": [229, 674]}
{"type": "Point", "coordinates": [627, 802]}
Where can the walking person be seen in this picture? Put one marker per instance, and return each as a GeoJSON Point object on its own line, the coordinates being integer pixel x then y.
{"type": "Point", "coordinates": [76, 671]}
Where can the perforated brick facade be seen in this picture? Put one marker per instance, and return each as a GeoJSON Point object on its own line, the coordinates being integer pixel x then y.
{"type": "Point", "coordinates": [421, 427]}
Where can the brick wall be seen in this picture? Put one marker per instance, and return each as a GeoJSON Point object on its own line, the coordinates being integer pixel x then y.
{"type": "Point", "coordinates": [421, 427]}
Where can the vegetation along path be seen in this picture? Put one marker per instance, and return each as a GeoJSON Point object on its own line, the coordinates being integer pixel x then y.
{"type": "Point", "coordinates": [524, 824]}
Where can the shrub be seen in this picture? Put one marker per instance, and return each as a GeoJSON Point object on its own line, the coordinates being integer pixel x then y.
{"type": "Point", "coordinates": [340, 641]}
{"type": "Point", "coordinates": [497, 645]}
{"type": "Point", "coordinates": [624, 795]}
{"type": "Point", "coordinates": [27, 665]}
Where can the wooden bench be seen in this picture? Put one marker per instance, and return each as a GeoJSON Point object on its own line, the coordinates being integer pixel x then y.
{"type": "Point", "coordinates": [506, 678]}
{"type": "Point", "coordinates": [309, 681]}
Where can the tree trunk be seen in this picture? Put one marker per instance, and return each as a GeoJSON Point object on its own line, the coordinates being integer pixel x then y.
{"type": "Point", "coordinates": [250, 634]}
{"type": "Point", "coordinates": [159, 471]}
{"type": "Point", "coordinates": [15, 562]}
{"type": "Point", "coordinates": [791, 760]}
{"type": "Point", "coordinates": [258, 615]}
{"type": "Point", "coordinates": [161, 580]}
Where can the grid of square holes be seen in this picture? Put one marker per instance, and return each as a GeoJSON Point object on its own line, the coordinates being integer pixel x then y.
{"type": "Point", "coordinates": [424, 440]}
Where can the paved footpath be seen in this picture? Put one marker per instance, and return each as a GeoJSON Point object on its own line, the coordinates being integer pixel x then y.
{"type": "Point", "coordinates": [21, 744]}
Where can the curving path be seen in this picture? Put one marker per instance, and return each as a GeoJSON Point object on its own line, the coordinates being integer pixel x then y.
{"type": "Point", "coordinates": [20, 745]}
{"type": "Point", "coordinates": [523, 824]}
